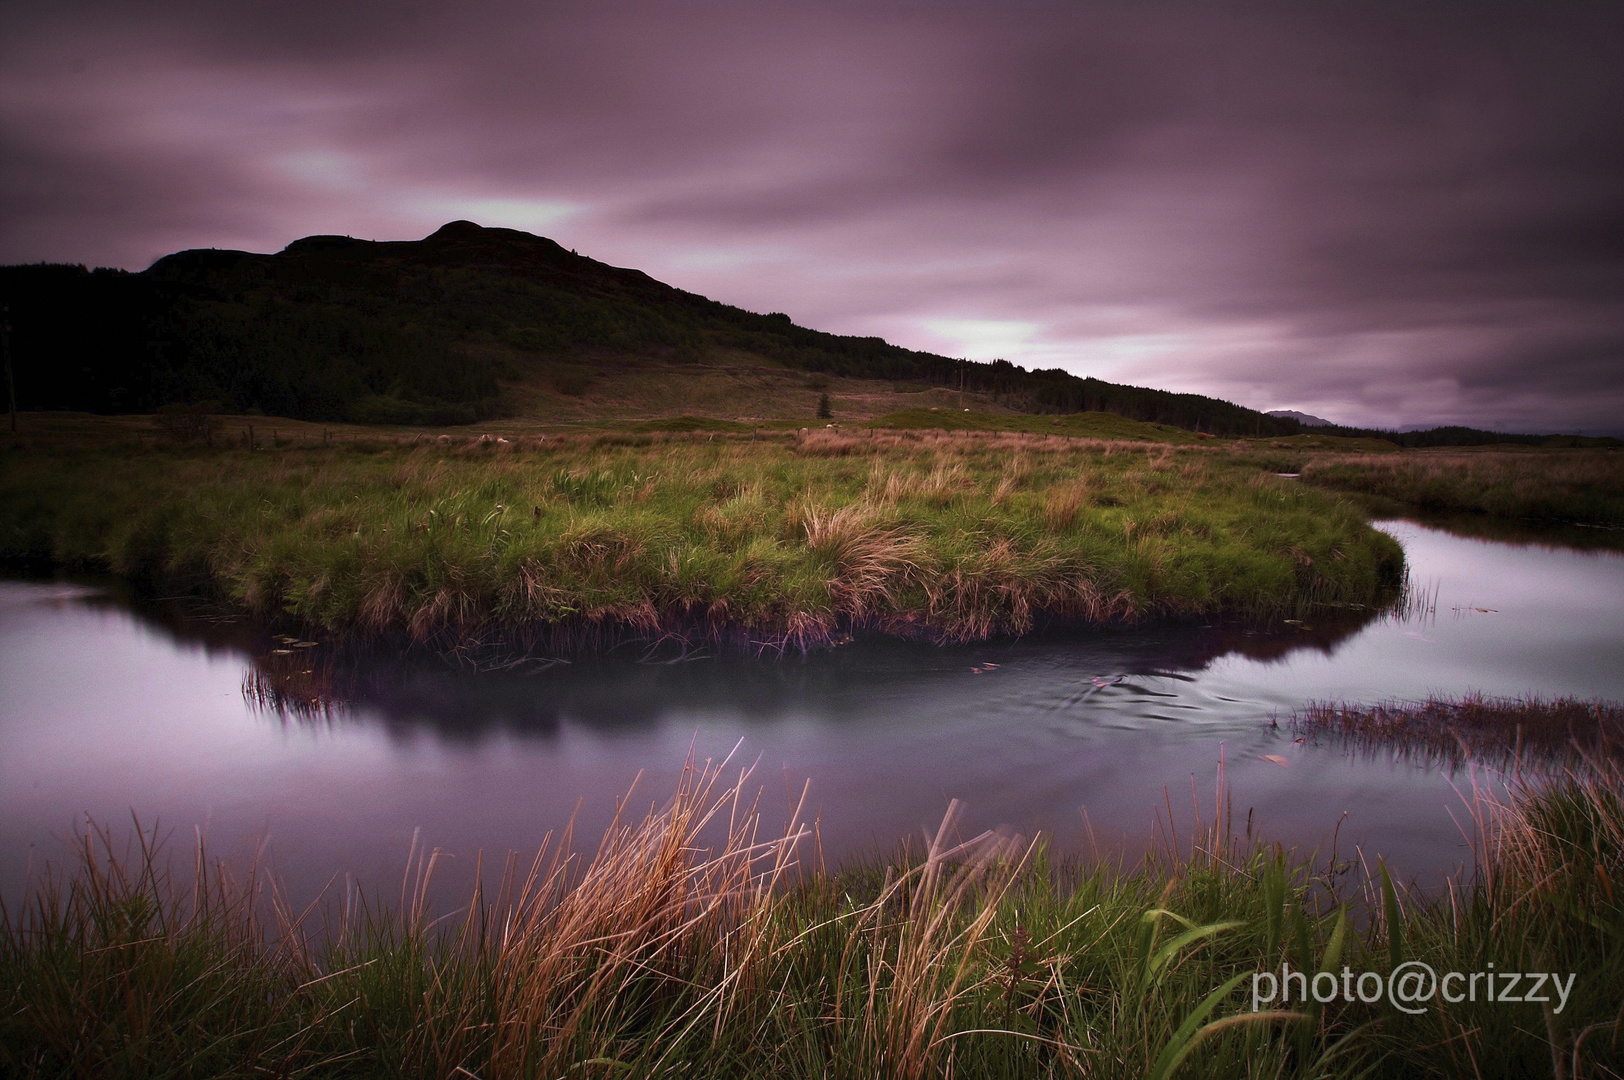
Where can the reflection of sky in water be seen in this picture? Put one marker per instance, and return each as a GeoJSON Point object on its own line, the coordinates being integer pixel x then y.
{"type": "Point", "coordinates": [103, 712]}
{"type": "Point", "coordinates": [1554, 624]}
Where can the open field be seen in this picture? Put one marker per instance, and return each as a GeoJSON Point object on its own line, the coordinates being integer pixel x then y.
{"type": "Point", "coordinates": [690, 944]}
{"type": "Point", "coordinates": [1101, 425]}
{"type": "Point", "coordinates": [670, 405]}
{"type": "Point", "coordinates": [781, 539]}
{"type": "Point", "coordinates": [732, 385]}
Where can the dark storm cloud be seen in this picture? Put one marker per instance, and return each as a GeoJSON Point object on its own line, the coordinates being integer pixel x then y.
{"type": "Point", "coordinates": [1389, 215]}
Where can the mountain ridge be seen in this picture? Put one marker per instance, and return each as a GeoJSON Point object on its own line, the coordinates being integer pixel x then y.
{"type": "Point", "coordinates": [1305, 419]}
{"type": "Point", "coordinates": [439, 331]}
{"type": "Point", "coordinates": [427, 331]}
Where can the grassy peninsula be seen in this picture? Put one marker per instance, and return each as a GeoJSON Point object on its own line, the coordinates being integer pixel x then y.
{"type": "Point", "coordinates": [768, 538]}
{"type": "Point", "coordinates": [689, 944]}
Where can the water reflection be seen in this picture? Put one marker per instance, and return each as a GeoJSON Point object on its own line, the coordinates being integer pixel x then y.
{"type": "Point", "coordinates": [460, 698]}
{"type": "Point", "coordinates": [184, 713]}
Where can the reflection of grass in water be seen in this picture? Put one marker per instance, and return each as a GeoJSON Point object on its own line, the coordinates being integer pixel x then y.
{"type": "Point", "coordinates": [307, 695]}
{"type": "Point", "coordinates": [1504, 730]}
{"type": "Point", "coordinates": [1417, 602]}
{"type": "Point", "coordinates": [779, 541]}
{"type": "Point", "coordinates": [688, 942]}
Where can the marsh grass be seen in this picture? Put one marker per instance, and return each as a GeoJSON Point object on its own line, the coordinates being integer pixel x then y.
{"type": "Point", "coordinates": [1565, 485]}
{"type": "Point", "coordinates": [689, 943]}
{"type": "Point", "coordinates": [1457, 730]}
{"type": "Point", "coordinates": [763, 540]}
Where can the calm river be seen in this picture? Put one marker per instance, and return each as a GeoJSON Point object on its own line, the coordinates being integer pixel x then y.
{"type": "Point", "coordinates": [110, 708]}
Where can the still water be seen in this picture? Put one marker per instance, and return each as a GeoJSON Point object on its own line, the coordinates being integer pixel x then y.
{"type": "Point", "coordinates": [195, 722]}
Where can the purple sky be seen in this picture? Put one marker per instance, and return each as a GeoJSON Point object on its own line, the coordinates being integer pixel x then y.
{"type": "Point", "coordinates": [1399, 214]}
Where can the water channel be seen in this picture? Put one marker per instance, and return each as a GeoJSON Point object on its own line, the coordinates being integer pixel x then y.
{"type": "Point", "coordinates": [198, 722]}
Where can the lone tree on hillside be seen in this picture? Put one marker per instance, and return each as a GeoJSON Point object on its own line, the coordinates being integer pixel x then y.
{"type": "Point", "coordinates": [824, 412]}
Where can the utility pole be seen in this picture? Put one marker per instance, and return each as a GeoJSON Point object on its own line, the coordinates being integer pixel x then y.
{"type": "Point", "coordinates": [5, 348]}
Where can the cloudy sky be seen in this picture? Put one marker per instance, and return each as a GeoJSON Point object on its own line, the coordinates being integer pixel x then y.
{"type": "Point", "coordinates": [1397, 214]}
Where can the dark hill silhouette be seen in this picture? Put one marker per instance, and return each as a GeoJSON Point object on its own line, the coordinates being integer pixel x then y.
{"type": "Point", "coordinates": [423, 332]}
{"type": "Point", "coordinates": [1305, 419]}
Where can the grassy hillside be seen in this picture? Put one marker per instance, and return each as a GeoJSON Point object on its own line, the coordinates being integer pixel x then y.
{"type": "Point", "coordinates": [471, 324]}
{"type": "Point", "coordinates": [466, 324]}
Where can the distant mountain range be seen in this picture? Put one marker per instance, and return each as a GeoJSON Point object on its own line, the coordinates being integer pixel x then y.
{"type": "Point", "coordinates": [436, 331]}
{"type": "Point", "coordinates": [1305, 419]}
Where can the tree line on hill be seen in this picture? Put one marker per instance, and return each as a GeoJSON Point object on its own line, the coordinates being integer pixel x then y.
{"type": "Point", "coordinates": [113, 342]}
{"type": "Point", "coordinates": [423, 332]}
{"type": "Point", "coordinates": [1456, 435]}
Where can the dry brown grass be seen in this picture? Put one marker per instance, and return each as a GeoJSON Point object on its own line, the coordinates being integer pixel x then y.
{"type": "Point", "coordinates": [678, 926]}
{"type": "Point", "coordinates": [873, 561]}
{"type": "Point", "coordinates": [919, 971]}
{"type": "Point", "coordinates": [647, 906]}
{"type": "Point", "coordinates": [1064, 503]}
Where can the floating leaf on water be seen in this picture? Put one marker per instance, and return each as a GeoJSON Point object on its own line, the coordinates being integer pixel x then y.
{"type": "Point", "coordinates": [281, 652]}
{"type": "Point", "coordinates": [304, 644]}
{"type": "Point", "coordinates": [1277, 759]}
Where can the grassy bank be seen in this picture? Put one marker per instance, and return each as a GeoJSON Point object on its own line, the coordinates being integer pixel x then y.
{"type": "Point", "coordinates": [1562, 485]}
{"type": "Point", "coordinates": [688, 945]}
{"type": "Point", "coordinates": [776, 539]}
